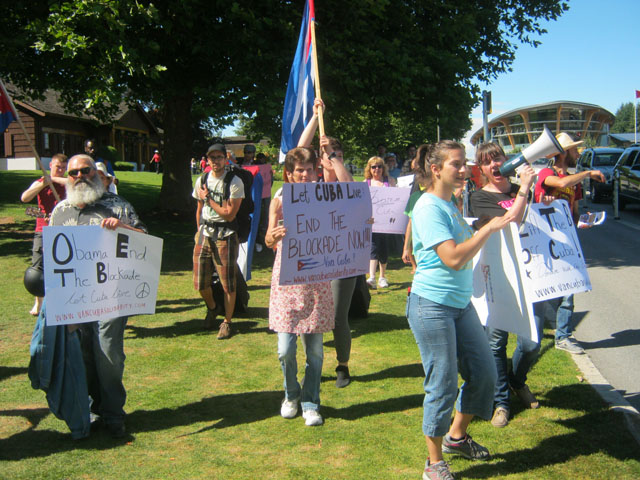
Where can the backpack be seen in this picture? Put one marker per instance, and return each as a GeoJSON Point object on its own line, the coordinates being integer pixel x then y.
{"type": "Point", "coordinates": [242, 223]}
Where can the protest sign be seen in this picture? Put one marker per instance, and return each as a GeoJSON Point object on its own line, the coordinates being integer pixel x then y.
{"type": "Point", "coordinates": [551, 256]}
{"type": "Point", "coordinates": [328, 234]}
{"type": "Point", "coordinates": [405, 181]}
{"type": "Point", "coordinates": [498, 294]}
{"type": "Point", "coordinates": [92, 273]}
{"type": "Point", "coordinates": [387, 208]}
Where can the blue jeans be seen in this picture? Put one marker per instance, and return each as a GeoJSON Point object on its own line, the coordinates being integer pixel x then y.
{"type": "Point", "coordinates": [103, 352]}
{"type": "Point", "coordinates": [564, 315]}
{"type": "Point", "coordinates": [524, 356]}
{"type": "Point", "coordinates": [450, 339]}
{"type": "Point", "coordinates": [309, 393]}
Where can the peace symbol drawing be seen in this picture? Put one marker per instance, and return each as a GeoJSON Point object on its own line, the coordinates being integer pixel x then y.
{"type": "Point", "coordinates": [143, 290]}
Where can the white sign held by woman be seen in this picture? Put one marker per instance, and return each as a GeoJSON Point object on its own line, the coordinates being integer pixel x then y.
{"type": "Point", "coordinates": [387, 208]}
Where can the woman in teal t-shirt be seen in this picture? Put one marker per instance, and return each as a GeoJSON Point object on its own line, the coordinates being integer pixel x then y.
{"type": "Point", "coordinates": [442, 319]}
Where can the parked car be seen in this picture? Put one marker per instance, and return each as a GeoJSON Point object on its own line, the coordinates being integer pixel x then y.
{"type": "Point", "coordinates": [603, 159]}
{"type": "Point", "coordinates": [628, 168]}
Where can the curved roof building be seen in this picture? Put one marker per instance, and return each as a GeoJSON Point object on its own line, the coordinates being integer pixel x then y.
{"type": "Point", "coordinates": [520, 127]}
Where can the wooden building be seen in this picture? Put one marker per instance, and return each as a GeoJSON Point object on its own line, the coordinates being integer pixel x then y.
{"type": "Point", "coordinates": [53, 130]}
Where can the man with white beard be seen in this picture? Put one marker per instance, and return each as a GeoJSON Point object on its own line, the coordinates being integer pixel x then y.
{"type": "Point", "coordinates": [88, 203]}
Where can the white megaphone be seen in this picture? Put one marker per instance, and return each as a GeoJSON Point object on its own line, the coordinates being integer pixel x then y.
{"type": "Point", "coordinates": [545, 145]}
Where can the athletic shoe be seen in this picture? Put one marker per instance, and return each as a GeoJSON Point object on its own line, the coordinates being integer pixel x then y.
{"type": "Point", "coordinates": [526, 397]}
{"type": "Point", "coordinates": [437, 471]}
{"type": "Point", "coordinates": [312, 418]}
{"type": "Point", "coordinates": [289, 408]}
{"type": "Point", "coordinates": [371, 281]}
{"type": "Point", "coordinates": [570, 345]}
{"type": "Point", "coordinates": [225, 331]}
{"type": "Point", "coordinates": [466, 447]}
{"type": "Point", "coordinates": [382, 282]}
{"type": "Point", "coordinates": [342, 376]}
{"type": "Point", "coordinates": [500, 417]}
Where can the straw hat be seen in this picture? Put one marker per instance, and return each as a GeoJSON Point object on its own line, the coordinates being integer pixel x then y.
{"type": "Point", "coordinates": [567, 143]}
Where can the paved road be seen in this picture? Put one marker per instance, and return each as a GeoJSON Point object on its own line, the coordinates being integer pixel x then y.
{"type": "Point", "coordinates": [609, 316]}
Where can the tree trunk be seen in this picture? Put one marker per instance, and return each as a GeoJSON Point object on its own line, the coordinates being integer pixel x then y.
{"type": "Point", "coordinates": [175, 195]}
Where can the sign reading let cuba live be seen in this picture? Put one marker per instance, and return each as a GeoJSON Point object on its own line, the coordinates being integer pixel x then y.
{"type": "Point", "coordinates": [93, 274]}
{"type": "Point", "coordinates": [328, 231]}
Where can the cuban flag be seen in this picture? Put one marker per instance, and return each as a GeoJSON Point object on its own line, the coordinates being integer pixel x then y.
{"type": "Point", "coordinates": [7, 112]}
{"type": "Point", "coordinates": [298, 104]}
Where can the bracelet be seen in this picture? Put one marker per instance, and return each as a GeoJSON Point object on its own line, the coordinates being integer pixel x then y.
{"type": "Point", "coordinates": [522, 194]}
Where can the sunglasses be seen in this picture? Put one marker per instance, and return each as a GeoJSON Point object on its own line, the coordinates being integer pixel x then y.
{"type": "Point", "coordinates": [76, 171]}
{"type": "Point", "coordinates": [376, 166]}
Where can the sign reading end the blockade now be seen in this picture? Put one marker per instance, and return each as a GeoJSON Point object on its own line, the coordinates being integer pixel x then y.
{"type": "Point", "coordinates": [328, 231]}
{"type": "Point", "coordinates": [93, 274]}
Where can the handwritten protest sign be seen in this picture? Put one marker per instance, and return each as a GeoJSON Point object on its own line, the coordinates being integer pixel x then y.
{"type": "Point", "coordinates": [515, 269]}
{"type": "Point", "coordinates": [498, 293]}
{"type": "Point", "coordinates": [387, 208]}
{"type": "Point", "coordinates": [93, 274]}
{"type": "Point", "coordinates": [553, 264]}
{"type": "Point", "coordinates": [328, 234]}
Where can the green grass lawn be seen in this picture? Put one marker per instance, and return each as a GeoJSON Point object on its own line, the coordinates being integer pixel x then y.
{"type": "Point", "coordinates": [202, 408]}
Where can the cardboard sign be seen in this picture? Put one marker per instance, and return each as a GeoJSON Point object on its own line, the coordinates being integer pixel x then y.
{"type": "Point", "coordinates": [551, 256]}
{"type": "Point", "coordinates": [328, 234]}
{"type": "Point", "coordinates": [387, 208]}
{"type": "Point", "coordinates": [498, 294]}
{"type": "Point", "coordinates": [94, 274]}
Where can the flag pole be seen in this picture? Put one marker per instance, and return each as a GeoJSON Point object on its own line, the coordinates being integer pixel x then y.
{"type": "Point", "coordinates": [317, 76]}
{"type": "Point", "coordinates": [47, 178]}
{"type": "Point", "coordinates": [635, 120]}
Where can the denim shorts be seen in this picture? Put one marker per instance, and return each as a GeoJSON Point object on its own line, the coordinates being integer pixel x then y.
{"type": "Point", "coordinates": [450, 340]}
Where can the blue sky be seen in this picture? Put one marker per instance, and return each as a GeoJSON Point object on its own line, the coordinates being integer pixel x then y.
{"type": "Point", "coordinates": [590, 54]}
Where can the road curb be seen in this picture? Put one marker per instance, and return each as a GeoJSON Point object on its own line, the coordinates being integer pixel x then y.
{"type": "Point", "coordinates": [610, 395]}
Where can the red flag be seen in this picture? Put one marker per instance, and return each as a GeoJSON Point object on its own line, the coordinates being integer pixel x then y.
{"type": "Point", "coordinates": [637, 93]}
{"type": "Point", "coordinates": [7, 112]}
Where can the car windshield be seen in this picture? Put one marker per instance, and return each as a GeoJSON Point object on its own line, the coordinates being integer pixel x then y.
{"type": "Point", "coordinates": [606, 159]}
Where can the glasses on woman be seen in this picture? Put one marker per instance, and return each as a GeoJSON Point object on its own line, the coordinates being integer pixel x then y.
{"type": "Point", "coordinates": [376, 166]}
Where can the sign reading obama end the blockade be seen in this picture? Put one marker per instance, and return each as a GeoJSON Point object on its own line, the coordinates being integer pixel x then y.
{"type": "Point", "coordinates": [328, 231]}
{"type": "Point", "coordinates": [94, 274]}
{"type": "Point", "coordinates": [387, 207]}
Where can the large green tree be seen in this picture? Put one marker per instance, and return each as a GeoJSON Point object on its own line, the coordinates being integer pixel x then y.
{"type": "Point", "coordinates": [625, 118]}
{"type": "Point", "coordinates": [382, 62]}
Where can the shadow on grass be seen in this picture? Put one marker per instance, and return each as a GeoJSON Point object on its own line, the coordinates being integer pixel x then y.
{"type": "Point", "coordinates": [221, 411]}
{"type": "Point", "coordinates": [6, 372]}
{"type": "Point", "coordinates": [189, 327]}
{"type": "Point", "coordinates": [413, 370]}
{"type": "Point", "coordinates": [590, 433]}
{"type": "Point", "coordinates": [361, 410]}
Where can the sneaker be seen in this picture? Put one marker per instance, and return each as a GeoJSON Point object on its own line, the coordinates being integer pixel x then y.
{"type": "Point", "coordinates": [382, 282]}
{"type": "Point", "coordinates": [342, 376]}
{"type": "Point", "coordinates": [371, 281]}
{"type": "Point", "coordinates": [466, 447]}
{"type": "Point", "coordinates": [258, 247]}
{"type": "Point", "coordinates": [312, 418]}
{"type": "Point", "coordinates": [500, 417]}
{"type": "Point", "coordinates": [225, 331]}
{"type": "Point", "coordinates": [526, 397]}
{"type": "Point", "coordinates": [289, 408]}
{"type": "Point", "coordinates": [570, 345]}
{"type": "Point", "coordinates": [437, 471]}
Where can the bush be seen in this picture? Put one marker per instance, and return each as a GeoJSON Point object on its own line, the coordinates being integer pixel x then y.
{"type": "Point", "coordinates": [125, 166]}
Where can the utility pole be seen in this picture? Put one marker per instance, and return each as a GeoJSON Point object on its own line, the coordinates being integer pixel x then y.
{"type": "Point", "coordinates": [486, 110]}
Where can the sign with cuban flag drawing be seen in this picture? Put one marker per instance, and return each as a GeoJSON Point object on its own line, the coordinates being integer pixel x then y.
{"type": "Point", "coordinates": [7, 112]}
{"type": "Point", "coordinates": [298, 103]}
{"type": "Point", "coordinates": [328, 231]}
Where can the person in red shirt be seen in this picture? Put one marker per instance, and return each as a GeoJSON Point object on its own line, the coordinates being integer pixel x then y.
{"type": "Point", "coordinates": [556, 182]}
{"type": "Point", "coordinates": [46, 202]}
{"type": "Point", "coordinates": [156, 160]}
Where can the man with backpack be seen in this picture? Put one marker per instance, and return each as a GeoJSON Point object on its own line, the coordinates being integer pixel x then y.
{"type": "Point", "coordinates": [219, 194]}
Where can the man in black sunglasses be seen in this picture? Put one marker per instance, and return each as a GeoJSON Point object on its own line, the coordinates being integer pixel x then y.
{"type": "Point", "coordinates": [102, 342]}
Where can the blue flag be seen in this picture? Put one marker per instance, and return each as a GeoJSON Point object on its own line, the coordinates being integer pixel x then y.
{"type": "Point", "coordinates": [298, 104]}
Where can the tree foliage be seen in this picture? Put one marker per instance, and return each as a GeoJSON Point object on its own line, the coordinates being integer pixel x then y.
{"type": "Point", "coordinates": [624, 118]}
{"type": "Point", "coordinates": [385, 65]}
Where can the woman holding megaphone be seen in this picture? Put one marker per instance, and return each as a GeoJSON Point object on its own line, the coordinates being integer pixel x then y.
{"type": "Point", "coordinates": [444, 323]}
{"type": "Point", "coordinates": [496, 198]}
